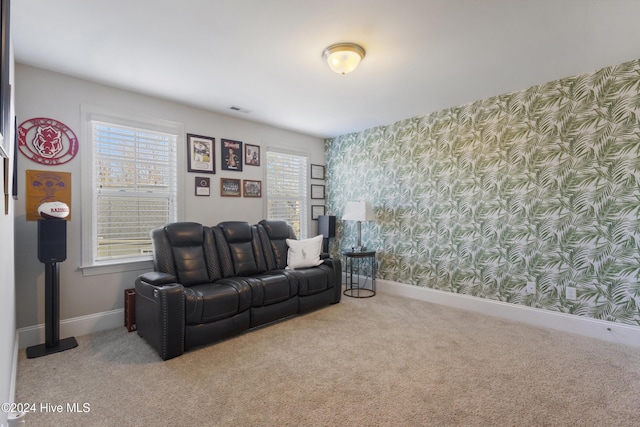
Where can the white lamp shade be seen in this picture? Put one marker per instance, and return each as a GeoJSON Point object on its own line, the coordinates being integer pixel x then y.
{"type": "Point", "coordinates": [358, 211]}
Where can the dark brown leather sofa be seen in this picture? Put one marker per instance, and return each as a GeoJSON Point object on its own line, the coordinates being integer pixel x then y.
{"type": "Point", "coordinates": [212, 283]}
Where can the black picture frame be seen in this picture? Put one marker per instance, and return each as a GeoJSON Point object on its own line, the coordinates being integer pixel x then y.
{"type": "Point", "coordinates": [201, 155]}
{"type": "Point", "coordinates": [251, 155]}
{"type": "Point", "coordinates": [5, 89]}
{"type": "Point", "coordinates": [317, 191]}
{"type": "Point", "coordinates": [316, 211]}
{"type": "Point", "coordinates": [14, 181]}
{"type": "Point", "coordinates": [231, 155]}
{"type": "Point", "coordinates": [317, 171]}
{"type": "Point", "coordinates": [203, 186]}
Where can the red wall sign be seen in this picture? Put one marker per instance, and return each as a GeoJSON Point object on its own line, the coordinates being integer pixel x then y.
{"type": "Point", "coordinates": [47, 141]}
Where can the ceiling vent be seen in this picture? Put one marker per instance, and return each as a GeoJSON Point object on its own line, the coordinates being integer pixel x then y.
{"type": "Point", "coordinates": [240, 109]}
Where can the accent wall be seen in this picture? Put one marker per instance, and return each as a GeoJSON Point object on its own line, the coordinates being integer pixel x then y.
{"type": "Point", "coordinates": [539, 186]}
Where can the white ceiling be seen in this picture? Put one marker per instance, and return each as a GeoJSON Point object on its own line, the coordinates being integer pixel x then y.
{"type": "Point", "coordinates": [265, 56]}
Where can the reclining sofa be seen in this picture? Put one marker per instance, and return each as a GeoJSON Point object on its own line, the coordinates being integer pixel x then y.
{"type": "Point", "coordinates": [212, 283]}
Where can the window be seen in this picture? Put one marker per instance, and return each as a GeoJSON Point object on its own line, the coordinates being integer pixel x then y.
{"type": "Point", "coordinates": [287, 190]}
{"type": "Point", "coordinates": [133, 188]}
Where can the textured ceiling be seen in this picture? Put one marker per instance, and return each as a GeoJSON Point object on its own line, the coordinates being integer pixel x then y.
{"type": "Point", "coordinates": [265, 57]}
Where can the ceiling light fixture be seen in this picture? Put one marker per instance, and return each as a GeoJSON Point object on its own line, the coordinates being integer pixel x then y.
{"type": "Point", "coordinates": [343, 58]}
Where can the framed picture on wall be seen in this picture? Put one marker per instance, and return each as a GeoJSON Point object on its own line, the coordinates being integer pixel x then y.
{"type": "Point", "coordinates": [201, 154]}
{"type": "Point", "coordinates": [317, 191]}
{"type": "Point", "coordinates": [317, 172]}
{"type": "Point", "coordinates": [230, 187]}
{"type": "Point", "coordinates": [14, 182]}
{"type": "Point", "coordinates": [251, 188]}
{"type": "Point", "coordinates": [251, 155]}
{"type": "Point", "coordinates": [231, 155]}
{"type": "Point", "coordinates": [46, 185]}
{"type": "Point", "coordinates": [203, 186]}
{"type": "Point", "coordinates": [5, 88]}
{"type": "Point", "coordinates": [316, 211]}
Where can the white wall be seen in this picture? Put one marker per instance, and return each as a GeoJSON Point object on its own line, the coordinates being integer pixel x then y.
{"type": "Point", "coordinates": [7, 305]}
{"type": "Point", "coordinates": [7, 286]}
{"type": "Point", "coordinates": [41, 93]}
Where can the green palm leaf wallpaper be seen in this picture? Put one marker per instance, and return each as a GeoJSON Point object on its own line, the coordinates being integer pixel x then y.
{"type": "Point", "coordinates": [540, 185]}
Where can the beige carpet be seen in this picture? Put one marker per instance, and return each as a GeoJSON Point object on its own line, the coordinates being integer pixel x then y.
{"type": "Point", "coordinates": [383, 361]}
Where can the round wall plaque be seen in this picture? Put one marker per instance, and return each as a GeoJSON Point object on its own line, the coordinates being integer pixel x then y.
{"type": "Point", "coordinates": [47, 141]}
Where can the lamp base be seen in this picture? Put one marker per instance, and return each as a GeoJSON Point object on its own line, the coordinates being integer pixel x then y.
{"type": "Point", "coordinates": [358, 249]}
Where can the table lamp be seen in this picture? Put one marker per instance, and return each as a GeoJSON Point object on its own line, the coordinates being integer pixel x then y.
{"type": "Point", "coordinates": [358, 211]}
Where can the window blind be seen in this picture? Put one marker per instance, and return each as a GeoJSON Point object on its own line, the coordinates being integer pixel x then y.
{"type": "Point", "coordinates": [287, 190]}
{"type": "Point", "coordinates": [135, 188]}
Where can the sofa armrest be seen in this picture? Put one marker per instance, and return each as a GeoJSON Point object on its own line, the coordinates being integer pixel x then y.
{"type": "Point", "coordinates": [157, 278]}
{"type": "Point", "coordinates": [336, 266]}
{"type": "Point", "coordinates": [160, 313]}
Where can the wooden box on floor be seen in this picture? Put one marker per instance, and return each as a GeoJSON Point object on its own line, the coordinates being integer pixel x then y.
{"type": "Point", "coordinates": [130, 309]}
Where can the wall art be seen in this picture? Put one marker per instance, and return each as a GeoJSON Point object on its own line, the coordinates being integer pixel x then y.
{"type": "Point", "coordinates": [316, 211]}
{"type": "Point", "coordinates": [231, 155]}
{"type": "Point", "coordinates": [47, 186]}
{"type": "Point", "coordinates": [5, 87]}
{"type": "Point", "coordinates": [251, 155]}
{"type": "Point", "coordinates": [317, 191]}
{"type": "Point", "coordinates": [47, 141]}
{"type": "Point", "coordinates": [14, 185]}
{"type": "Point", "coordinates": [6, 166]}
{"type": "Point", "coordinates": [230, 187]}
{"type": "Point", "coordinates": [252, 188]}
{"type": "Point", "coordinates": [317, 172]}
{"type": "Point", "coordinates": [201, 154]}
{"type": "Point", "coordinates": [203, 186]}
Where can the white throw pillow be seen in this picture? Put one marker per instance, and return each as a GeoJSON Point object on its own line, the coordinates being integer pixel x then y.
{"type": "Point", "coordinates": [304, 253]}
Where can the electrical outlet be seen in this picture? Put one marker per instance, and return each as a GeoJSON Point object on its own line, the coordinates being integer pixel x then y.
{"type": "Point", "coordinates": [531, 288]}
{"type": "Point", "coordinates": [571, 293]}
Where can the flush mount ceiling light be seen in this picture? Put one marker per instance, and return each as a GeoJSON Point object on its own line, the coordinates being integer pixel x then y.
{"type": "Point", "coordinates": [343, 58]}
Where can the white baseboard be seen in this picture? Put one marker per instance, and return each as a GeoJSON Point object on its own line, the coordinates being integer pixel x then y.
{"type": "Point", "coordinates": [599, 329]}
{"type": "Point", "coordinates": [77, 326]}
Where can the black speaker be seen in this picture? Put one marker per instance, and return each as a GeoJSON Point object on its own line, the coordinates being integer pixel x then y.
{"type": "Point", "coordinates": [52, 248]}
{"type": "Point", "coordinates": [327, 226]}
{"type": "Point", "coordinates": [52, 240]}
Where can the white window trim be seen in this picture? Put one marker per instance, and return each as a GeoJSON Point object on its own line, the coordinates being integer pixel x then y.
{"type": "Point", "coordinates": [89, 113]}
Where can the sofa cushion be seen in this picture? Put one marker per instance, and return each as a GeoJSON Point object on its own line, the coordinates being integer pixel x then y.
{"type": "Point", "coordinates": [210, 302]}
{"type": "Point", "coordinates": [314, 280]}
{"type": "Point", "coordinates": [239, 238]}
{"type": "Point", "coordinates": [186, 240]}
{"type": "Point", "coordinates": [271, 288]}
{"type": "Point", "coordinates": [304, 253]}
{"type": "Point", "coordinates": [274, 235]}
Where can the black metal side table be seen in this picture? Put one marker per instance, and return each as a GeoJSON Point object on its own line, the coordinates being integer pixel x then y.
{"type": "Point", "coordinates": [360, 285]}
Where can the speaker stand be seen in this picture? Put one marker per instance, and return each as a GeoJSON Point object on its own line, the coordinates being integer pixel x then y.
{"type": "Point", "coordinates": [53, 342]}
